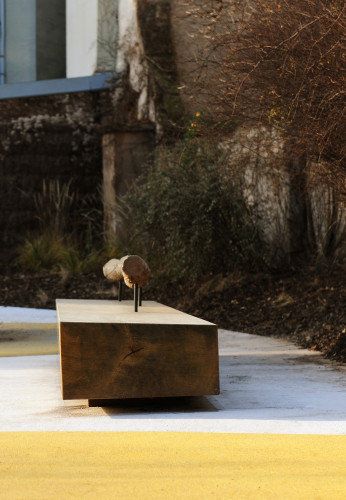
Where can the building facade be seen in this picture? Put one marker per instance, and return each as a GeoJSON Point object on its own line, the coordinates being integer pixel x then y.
{"type": "Point", "coordinates": [74, 104]}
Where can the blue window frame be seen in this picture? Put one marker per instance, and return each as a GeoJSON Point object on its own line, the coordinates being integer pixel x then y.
{"type": "Point", "coordinates": [57, 86]}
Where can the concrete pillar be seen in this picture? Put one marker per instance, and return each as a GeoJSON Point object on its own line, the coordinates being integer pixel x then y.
{"type": "Point", "coordinates": [108, 185]}
{"type": "Point", "coordinates": [124, 154]}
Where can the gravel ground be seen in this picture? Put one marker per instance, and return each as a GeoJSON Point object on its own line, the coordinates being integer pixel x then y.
{"type": "Point", "coordinates": [307, 307]}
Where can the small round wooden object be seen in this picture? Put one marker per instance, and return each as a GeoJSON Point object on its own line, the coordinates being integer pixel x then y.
{"type": "Point", "coordinates": [131, 267]}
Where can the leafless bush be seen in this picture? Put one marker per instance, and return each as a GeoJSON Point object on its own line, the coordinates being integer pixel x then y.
{"type": "Point", "coordinates": [282, 63]}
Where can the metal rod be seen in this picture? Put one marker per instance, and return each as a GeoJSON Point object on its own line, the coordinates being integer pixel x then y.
{"type": "Point", "coordinates": [140, 296]}
{"type": "Point", "coordinates": [120, 291]}
{"type": "Point", "coordinates": [136, 297]}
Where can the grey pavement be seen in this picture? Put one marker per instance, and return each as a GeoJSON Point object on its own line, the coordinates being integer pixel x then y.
{"type": "Point", "coordinates": [268, 385]}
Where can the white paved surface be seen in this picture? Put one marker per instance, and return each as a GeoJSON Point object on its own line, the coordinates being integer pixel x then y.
{"type": "Point", "coordinates": [267, 386]}
{"type": "Point", "coordinates": [23, 315]}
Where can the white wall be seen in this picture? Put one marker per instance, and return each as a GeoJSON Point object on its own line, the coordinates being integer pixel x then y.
{"type": "Point", "coordinates": [81, 37]}
{"type": "Point", "coordinates": [91, 36]}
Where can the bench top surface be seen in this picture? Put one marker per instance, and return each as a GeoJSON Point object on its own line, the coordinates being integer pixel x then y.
{"type": "Point", "coordinates": [112, 311]}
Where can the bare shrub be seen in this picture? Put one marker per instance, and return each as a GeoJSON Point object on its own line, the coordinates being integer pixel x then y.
{"type": "Point", "coordinates": [279, 63]}
{"type": "Point", "coordinates": [188, 216]}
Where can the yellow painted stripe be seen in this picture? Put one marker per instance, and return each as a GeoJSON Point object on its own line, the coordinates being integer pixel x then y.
{"type": "Point", "coordinates": [28, 339]}
{"type": "Point", "coordinates": [88, 465]}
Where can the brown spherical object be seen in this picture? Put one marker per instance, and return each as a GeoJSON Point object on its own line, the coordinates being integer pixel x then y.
{"type": "Point", "coordinates": [131, 268]}
{"type": "Point", "coordinates": [135, 271]}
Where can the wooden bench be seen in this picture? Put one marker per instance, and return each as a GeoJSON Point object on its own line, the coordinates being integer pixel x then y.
{"type": "Point", "coordinates": [108, 351]}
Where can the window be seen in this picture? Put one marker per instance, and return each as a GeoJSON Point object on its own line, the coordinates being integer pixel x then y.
{"type": "Point", "coordinates": [2, 42]}
{"type": "Point", "coordinates": [32, 40]}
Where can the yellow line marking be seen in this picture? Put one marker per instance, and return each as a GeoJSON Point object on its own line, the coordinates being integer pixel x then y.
{"type": "Point", "coordinates": [28, 339]}
{"type": "Point", "coordinates": [144, 465]}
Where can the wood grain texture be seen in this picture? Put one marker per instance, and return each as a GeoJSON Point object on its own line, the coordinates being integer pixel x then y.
{"type": "Point", "coordinates": [136, 359]}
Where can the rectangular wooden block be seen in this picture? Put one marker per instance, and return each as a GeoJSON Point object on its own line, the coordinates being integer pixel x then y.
{"type": "Point", "coordinates": [108, 351]}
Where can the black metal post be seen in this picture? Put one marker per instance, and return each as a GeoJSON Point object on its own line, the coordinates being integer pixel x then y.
{"type": "Point", "coordinates": [136, 297]}
{"type": "Point", "coordinates": [120, 291]}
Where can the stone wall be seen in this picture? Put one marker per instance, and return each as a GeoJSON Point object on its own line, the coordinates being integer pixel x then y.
{"type": "Point", "coordinates": [297, 211]}
{"type": "Point", "coordinates": [45, 138]}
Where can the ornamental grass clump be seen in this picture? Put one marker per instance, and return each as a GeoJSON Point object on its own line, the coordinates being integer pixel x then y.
{"type": "Point", "coordinates": [188, 217]}
{"type": "Point", "coordinates": [69, 239]}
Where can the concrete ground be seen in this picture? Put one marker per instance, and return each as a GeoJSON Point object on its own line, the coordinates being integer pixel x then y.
{"type": "Point", "coordinates": [271, 392]}
{"type": "Point", "coordinates": [268, 385]}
